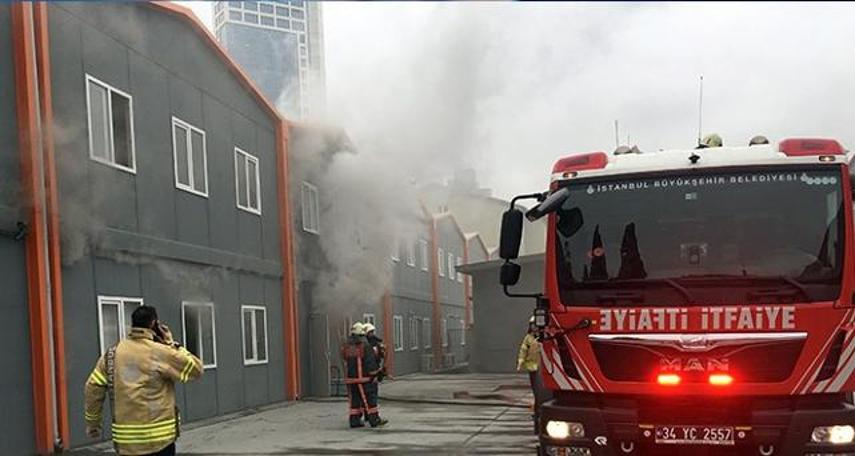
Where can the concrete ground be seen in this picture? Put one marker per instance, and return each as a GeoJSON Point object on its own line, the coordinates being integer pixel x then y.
{"type": "Point", "coordinates": [428, 414]}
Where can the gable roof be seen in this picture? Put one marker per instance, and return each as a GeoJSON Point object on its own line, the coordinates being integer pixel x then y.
{"type": "Point", "coordinates": [242, 77]}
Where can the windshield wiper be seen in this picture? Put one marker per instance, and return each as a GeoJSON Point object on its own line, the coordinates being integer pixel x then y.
{"type": "Point", "coordinates": [770, 293]}
{"type": "Point", "coordinates": [631, 296]}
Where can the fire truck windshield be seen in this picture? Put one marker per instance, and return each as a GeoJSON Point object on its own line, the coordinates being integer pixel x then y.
{"type": "Point", "coordinates": [725, 236]}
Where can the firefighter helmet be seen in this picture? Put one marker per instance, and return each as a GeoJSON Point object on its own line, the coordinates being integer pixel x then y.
{"type": "Point", "coordinates": [758, 140]}
{"type": "Point", "coordinates": [711, 140]}
{"type": "Point", "coordinates": [368, 327]}
{"type": "Point", "coordinates": [358, 329]}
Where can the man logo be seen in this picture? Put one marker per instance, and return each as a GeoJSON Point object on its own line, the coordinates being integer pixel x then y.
{"type": "Point", "coordinates": [694, 343]}
{"type": "Point", "coordinates": [694, 364]}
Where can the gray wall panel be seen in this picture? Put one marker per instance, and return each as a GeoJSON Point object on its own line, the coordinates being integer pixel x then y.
{"type": "Point", "coordinates": [221, 174]}
{"type": "Point", "coordinates": [275, 344]}
{"type": "Point", "coordinates": [229, 372]}
{"type": "Point", "coordinates": [155, 202]}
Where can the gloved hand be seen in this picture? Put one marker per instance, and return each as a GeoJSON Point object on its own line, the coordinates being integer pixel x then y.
{"type": "Point", "coordinates": [165, 334]}
{"type": "Point", "coordinates": [93, 432]}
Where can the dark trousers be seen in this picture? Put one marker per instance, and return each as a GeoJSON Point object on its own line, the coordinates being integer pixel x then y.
{"type": "Point", "coordinates": [538, 390]}
{"type": "Point", "coordinates": [168, 451]}
{"type": "Point", "coordinates": [363, 401]}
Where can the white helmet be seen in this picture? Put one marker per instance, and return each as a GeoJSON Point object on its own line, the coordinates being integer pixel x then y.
{"type": "Point", "coordinates": [358, 329]}
{"type": "Point", "coordinates": [368, 327]}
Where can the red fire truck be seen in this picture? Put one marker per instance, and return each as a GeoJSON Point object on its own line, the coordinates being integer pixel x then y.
{"type": "Point", "coordinates": [696, 301]}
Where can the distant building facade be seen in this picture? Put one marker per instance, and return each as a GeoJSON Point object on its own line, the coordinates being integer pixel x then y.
{"type": "Point", "coordinates": [280, 45]}
{"type": "Point", "coordinates": [478, 211]}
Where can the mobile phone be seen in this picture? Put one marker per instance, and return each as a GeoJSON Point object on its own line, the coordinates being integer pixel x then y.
{"type": "Point", "coordinates": [158, 333]}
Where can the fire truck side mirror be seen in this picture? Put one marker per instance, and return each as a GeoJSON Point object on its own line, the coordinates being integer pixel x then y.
{"type": "Point", "coordinates": [552, 203]}
{"type": "Point", "coordinates": [511, 236]}
{"type": "Point", "coordinates": [509, 275]}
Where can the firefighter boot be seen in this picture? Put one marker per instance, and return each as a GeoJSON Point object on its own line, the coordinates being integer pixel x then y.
{"type": "Point", "coordinates": [375, 421]}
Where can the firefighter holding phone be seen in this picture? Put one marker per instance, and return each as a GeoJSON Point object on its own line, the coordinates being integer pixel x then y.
{"type": "Point", "coordinates": [139, 374]}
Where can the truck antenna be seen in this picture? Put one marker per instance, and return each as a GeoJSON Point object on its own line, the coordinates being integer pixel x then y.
{"type": "Point", "coordinates": [617, 135]}
{"type": "Point", "coordinates": [700, 108]}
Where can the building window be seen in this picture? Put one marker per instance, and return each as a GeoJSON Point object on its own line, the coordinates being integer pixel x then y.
{"type": "Point", "coordinates": [297, 13]}
{"type": "Point", "coordinates": [440, 261]}
{"type": "Point", "coordinates": [254, 330]}
{"type": "Point", "coordinates": [411, 254]}
{"type": "Point", "coordinates": [423, 247]}
{"type": "Point", "coordinates": [427, 332]}
{"type": "Point", "coordinates": [462, 333]}
{"type": "Point", "coordinates": [297, 3]}
{"type": "Point", "coordinates": [190, 155]}
{"type": "Point", "coordinates": [414, 333]}
{"type": "Point", "coordinates": [451, 266]}
{"type": "Point", "coordinates": [459, 274]}
{"type": "Point", "coordinates": [235, 15]}
{"type": "Point", "coordinates": [398, 325]}
{"type": "Point", "coordinates": [444, 330]}
{"type": "Point", "coordinates": [396, 250]}
{"type": "Point", "coordinates": [311, 218]}
{"type": "Point", "coordinates": [283, 23]}
{"type": "Point", "coordinates": [111, 125]}
{"type": "Point", "coordinates": [247, 182]}
{"type": "Point", "coordinates": [252, 6]}
{"type": "Point", "coordinates": [303, 39]}
{"type": "Point", "coordinates": [268, 21]}
{"type": "Point", "coordinates": [298, 26]}
{"type": "Point", "coordinates": [280, 11]}
{"type": "Point", "coordinates": [266, 8]}
{"type": "Point", "coordinates": [250, 17]}
{"type": "Point", "coordinates": [369, 318]}
{"type": "Point", "coordinates": [200, 334]}
{"type": "Point", "coordinates": [114, 317]}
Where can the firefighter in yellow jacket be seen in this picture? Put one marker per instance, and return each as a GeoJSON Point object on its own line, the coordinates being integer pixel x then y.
{"type": "Point", "coordinates": [139, 374]}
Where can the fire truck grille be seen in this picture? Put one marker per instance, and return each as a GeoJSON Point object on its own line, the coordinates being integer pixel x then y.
{"type": "Point", "coordinates": [751, 362]}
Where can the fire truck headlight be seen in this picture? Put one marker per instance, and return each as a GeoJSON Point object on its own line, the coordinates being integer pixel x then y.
{"type": "Point", "coordinates": [837, 435]}
{"type": "Point", "coordinates": [560, 430]}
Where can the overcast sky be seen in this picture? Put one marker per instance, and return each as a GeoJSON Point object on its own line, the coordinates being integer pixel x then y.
{"type": "Point", "coordinates": [507, 88]}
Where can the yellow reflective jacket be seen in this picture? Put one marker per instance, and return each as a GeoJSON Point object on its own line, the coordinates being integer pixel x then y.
{"type": "Point", "coordinates": [529, 356]}
{"type": "Point", "coordinates": [145, 372]}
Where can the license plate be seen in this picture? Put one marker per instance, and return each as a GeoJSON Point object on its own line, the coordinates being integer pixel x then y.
{"type": "Point", "coordinates": [695, 435]}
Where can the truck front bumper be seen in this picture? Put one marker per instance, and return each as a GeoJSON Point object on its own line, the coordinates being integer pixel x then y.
{"type": "Point", "coordinates": [769, 426]}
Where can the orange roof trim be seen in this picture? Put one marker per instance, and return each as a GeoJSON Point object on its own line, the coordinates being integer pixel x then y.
{"type": "Point", "coordinates": [197, 25]}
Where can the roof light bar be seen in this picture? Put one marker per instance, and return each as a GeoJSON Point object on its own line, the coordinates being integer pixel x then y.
{"type": "Point", "coordinates": [580, 162]}
{"type": "Point", "coordinates": [803, 147]}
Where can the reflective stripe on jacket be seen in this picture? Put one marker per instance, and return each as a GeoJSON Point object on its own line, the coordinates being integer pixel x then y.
{"type": "Point", "coordinates": [529, 355]}
{"type": "Point", "coordinates": [145, 372]}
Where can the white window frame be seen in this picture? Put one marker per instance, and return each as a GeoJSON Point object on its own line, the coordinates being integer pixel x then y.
{"type": "Point", "coordinates": [459, 274]}
{"type": "Point", "coordinates": [411, 254]}
{"type": "Point", "coordinates": [314, 225]}
{"type": "Point", "coordinates": [184, 305]}
{"type": "Point", "coordinates": [121, 302]}
{"type": "Point", "coordinates": [444, 330]}
{"type": "Point", "coordinates": [176, 122]}
{"type": "Point", "coordinates": [462, 333]}
{"type": "Point", "coordinates": [451, 273]}
{"type": "Point", "coordinates": [396, 251]}
{"type": "Point", "coordinates": [423, 249]}
{"type": "Point", "coordinates": [369, 318]}
{"type": "Point", "coordinates": [253, 361]}
{"type": "Point", "coordinates": [249, 157]}
{"type": "Point", "coordinates": [398, 332]}
{"type": "Point", "coordinates": [440, 264]}
{"type": "Point", "coordinates": [111, 145]}
{"type": "Point", "coordinates": [429, 338]}
{"type": "Point", "coordinates": [414, 333]}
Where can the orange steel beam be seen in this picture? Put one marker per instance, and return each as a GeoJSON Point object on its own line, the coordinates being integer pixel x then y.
{"type": "Point", "coordinates": [436, 327]}
{"type": "Point", "coordinates": [53, 233]}
{"type": "Point", "coordinates": [467, 302]}
{"type": "Point", "coordinates": [26, 102]}
{"type": "Point", "coordinates": [290, 327]}
{"type": "Point", "coordinates": [388, 334]}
